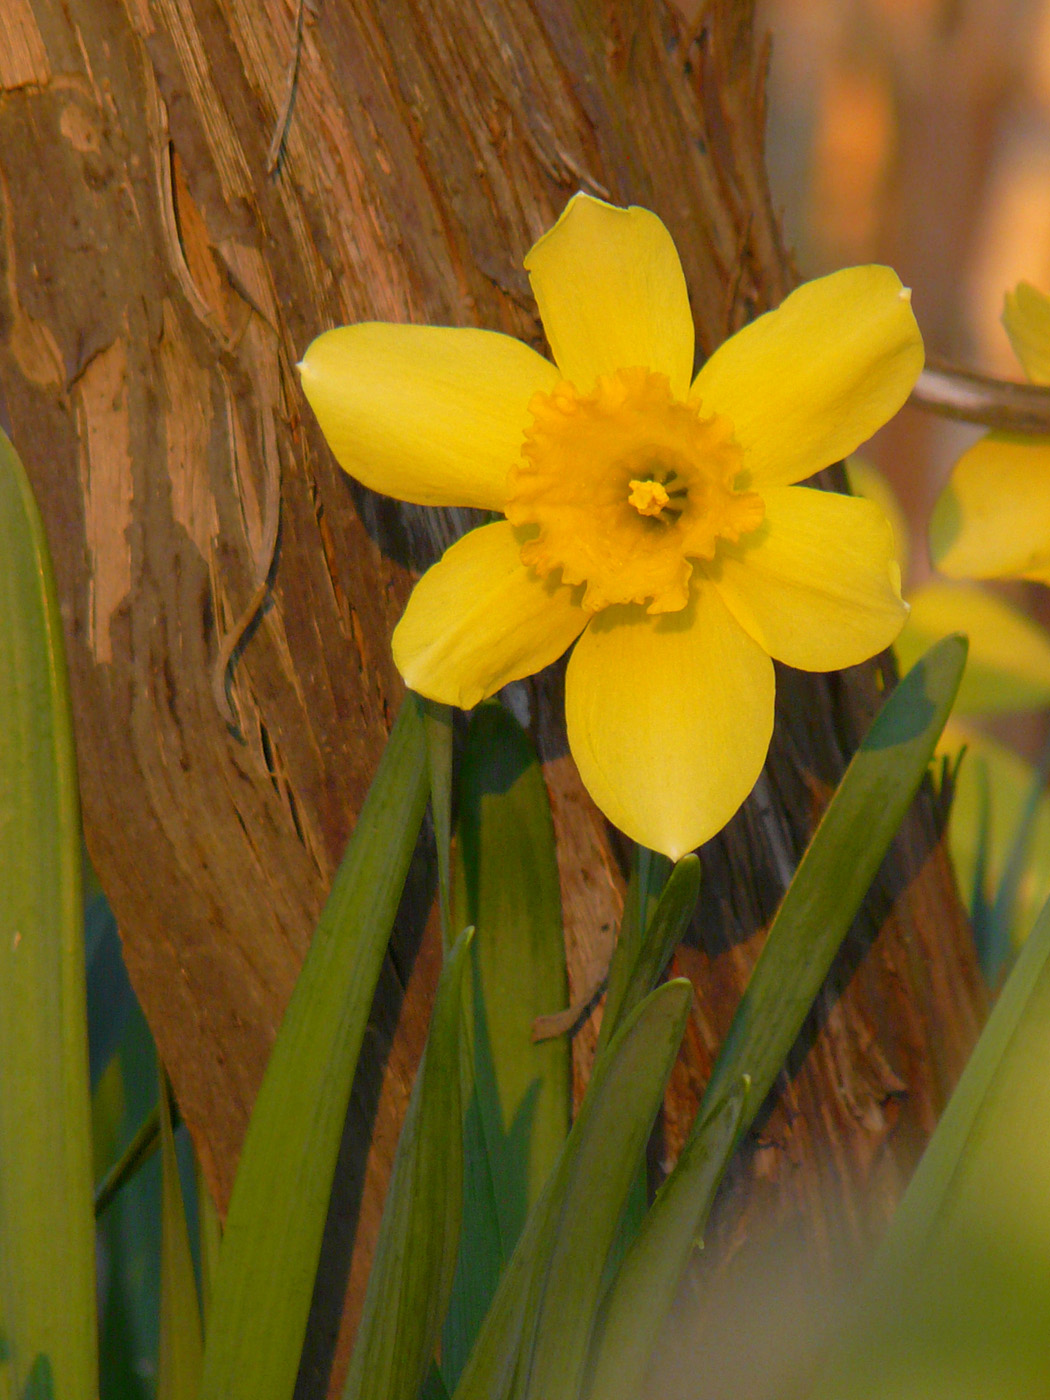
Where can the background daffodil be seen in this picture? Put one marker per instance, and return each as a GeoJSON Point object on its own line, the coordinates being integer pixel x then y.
{"type": "Point", "coordinates": [651, 518]}
{"type": "Point", "coordinates": [999, 823]}
{"type": "Point", "coordinates": [992, 520]}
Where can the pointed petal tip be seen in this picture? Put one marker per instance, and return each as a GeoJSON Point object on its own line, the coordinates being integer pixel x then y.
{"type": "Point", "coordinates": [429, 414]}
{"type": "Point", "coordinates": [805, 384]}
{"type": "Point", "coordinates": [479, 619]}
{"type": "Point", "coordinates": [669, 720]}
{"type": "Point", "coordinates": [611, 293]}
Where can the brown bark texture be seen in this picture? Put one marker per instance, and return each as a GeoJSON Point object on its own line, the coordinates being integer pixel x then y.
{"type": "Point", "coordinates": [190, 190]}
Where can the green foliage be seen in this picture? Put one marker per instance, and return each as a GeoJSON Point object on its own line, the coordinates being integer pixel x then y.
{"type": "Point", "coordinates": [518, 1246]}
{"type": "Point", "coordinates": [209, 1237]}
{"type": "Point", "coordinates": [438, 728]}
{"type": "Point", "coordinates": [40, 1383]}
{"type": "Point", "coordinates": [654, 922]}
{"type": "Point", "coordinates": [516, 1108]}
{"type": "Point", "coordinates": [47, 1248]}
{"type": "Point", "coordinates": [958, 1302]}
{"type": "Point", "coordinates": [269, 1254]}
{"type": "Point", "coordinates": [525, 1342]}
{"type": "Point", "coordinates": [816, 913]}
{"type": "Point", "coordinates": [128, 1225]}
{"type": "Point", "coordinates": [411, 1278]}
{"type": "Point", "coordinates": [179, 1363]}
{"type": "Point", "coordinates": [649, 935]}
{"type": "Point", "coordinates": [600, 1161]}
{"type": "Point", "coordinates": [643, 1291]}
{"type": "Point", "coordinates": [835, 873]}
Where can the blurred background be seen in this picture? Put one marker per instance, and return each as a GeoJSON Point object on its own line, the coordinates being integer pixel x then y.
{"type": "Point", "coordinates": [917, 133]}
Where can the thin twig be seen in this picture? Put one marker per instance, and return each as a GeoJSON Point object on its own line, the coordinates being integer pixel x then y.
{"type": "Point", "coordinates": [733, 286]}
{"type": "Point", "coordinates": [231, 642]}
{"type": "Point", "coordinates": [137, 1153]}
{"type": "Point", "coordinates": [1000, 404]}
{"type": "Point", "coordinates": [285, 116]}
{"type": "Point", "coordinates": [561, 1022]}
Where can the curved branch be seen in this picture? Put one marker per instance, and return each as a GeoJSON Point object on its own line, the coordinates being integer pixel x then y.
{"type": "Point", "coordinates": [1001, 404]}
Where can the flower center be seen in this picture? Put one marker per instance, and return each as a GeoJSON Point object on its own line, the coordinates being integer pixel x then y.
{"type": "Point", "coordinates": [649, 497]}
{"type": "Point", "coordinates": [624, 487]}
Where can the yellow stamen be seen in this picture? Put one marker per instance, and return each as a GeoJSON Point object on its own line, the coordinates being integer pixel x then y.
{"type": "Point", "coordinates": [623, 488]}
{"type": "Point", "coordinates": [648, 497]}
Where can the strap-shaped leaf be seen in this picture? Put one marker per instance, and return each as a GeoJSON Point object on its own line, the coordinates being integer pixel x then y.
{"type": "Point", "coordinates": [834, 875]}
{"type": "Point", "coordinates": [47, 1242]}
{"type": "Point", "coordinates": [209, 1233]}
{"type": "Point", "coordinates": [518, 1092]}
{"type": "Point", "coordinates": [805, 935]}
{"type": "Point", "coordinates": [437, 724]}
{"type": "Point", "coordinates": [640, 958]}
{"type": "Point", "coordinates": [610, 1147]}
{"type": "Point", "coordinates": [644, 1290]}
{"type": "Point", "coordinates": [656, 913]}
{"type": "Point", "coordinates": [957, 1301]}
{"type": "Point", "coordinates": [411, 1278]}
{"type": "Point", "coordinates": [264, 1280]}
{"type": "Point", "coordinates": [179, 1363]}
{"type": "Point", "coordinates": [537, 1325]}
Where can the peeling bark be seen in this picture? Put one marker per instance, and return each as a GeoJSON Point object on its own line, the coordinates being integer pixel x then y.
{"type": "Point", "coordinates": [228, 594]}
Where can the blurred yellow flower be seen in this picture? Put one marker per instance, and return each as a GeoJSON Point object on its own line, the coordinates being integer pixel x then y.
{"type": "Point", "coordinates": [1008, 666]}
{"type": "Point", "coordinates": [651, 518]}
{"type": "Point", "coordinates": [991, 826]}
{"type": "Point", "coordinates": [992, 520]}
{"type": "Point", "coordinates": [999, 818]}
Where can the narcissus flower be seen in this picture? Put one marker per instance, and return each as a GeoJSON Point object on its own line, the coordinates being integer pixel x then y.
{"type": "Point", "coordinates": [650, 518]}
{"type": "Point", "coordinates": [993, 518]}
{"type": "Point", "coordinates": [999, 823]}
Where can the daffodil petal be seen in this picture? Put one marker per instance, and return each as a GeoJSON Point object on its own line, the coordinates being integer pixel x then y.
{"type": "Point", "coordinates": [612, 294]}
{"type": "Point", "coordinates": [817, 586]}
{"type": "Point", "coordinates": [806, 384]}
{"type": "Point", "coordinates": [1008, 664]}
{"type": "Point", "coordinates": [1026, 319]}
{"type": "Point", "coordinates": [428, 414]}
{"type": "Point", "coordinates": [669, 719]}
{"type": "Point", "coordinates": [866, 480]}
{"type": "Point", "coordinates": [992, 520]}
{"type": "Point", "coordinates": [479, 619]}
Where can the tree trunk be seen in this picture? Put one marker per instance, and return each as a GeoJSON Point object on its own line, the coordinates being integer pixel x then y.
{"type": "Point", "coordinates": [190, 190]}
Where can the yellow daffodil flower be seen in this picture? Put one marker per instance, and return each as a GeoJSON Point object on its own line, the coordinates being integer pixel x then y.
{"type": "Point", "coordinates": [1007, 672]}
{"type": "Point", "coordinates": [993, 518]}
{"type": "Point", "coordinates": [650, 518]}
{"type": "Point", "coordinates": [1008, 666]}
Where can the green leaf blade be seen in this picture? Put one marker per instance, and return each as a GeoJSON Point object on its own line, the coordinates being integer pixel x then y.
{"type": "Point", "coordinates": [646, 960]}
{"type": "Point", "coordinates": [518, 1100]}
{"type": "Point", "coordinates": [264, 1279]}
{"type": "Point", "coordinates": [606, 1153]}
{"type": "Point", "coordinates": [181, 1346]}
{"type": "Point", "coordinates": [524, 1344]}
{"type": "Point", "coordinates": [438, 727]}
{"type": "Point", "coordinates": [834, 875]}
{"type": "Point", "coordinates": [814, 917]}
{"type": "Point", "coordinates": [644, 1290]}
{"type": "Point", "coordinates": [47, 1259]}
{"type": "Point", "coordinates": [957, 1300]}
{"type": "Point", "coordinates": [411, 1278]}
{"type": "Point", "coordinates": [510, 894]}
